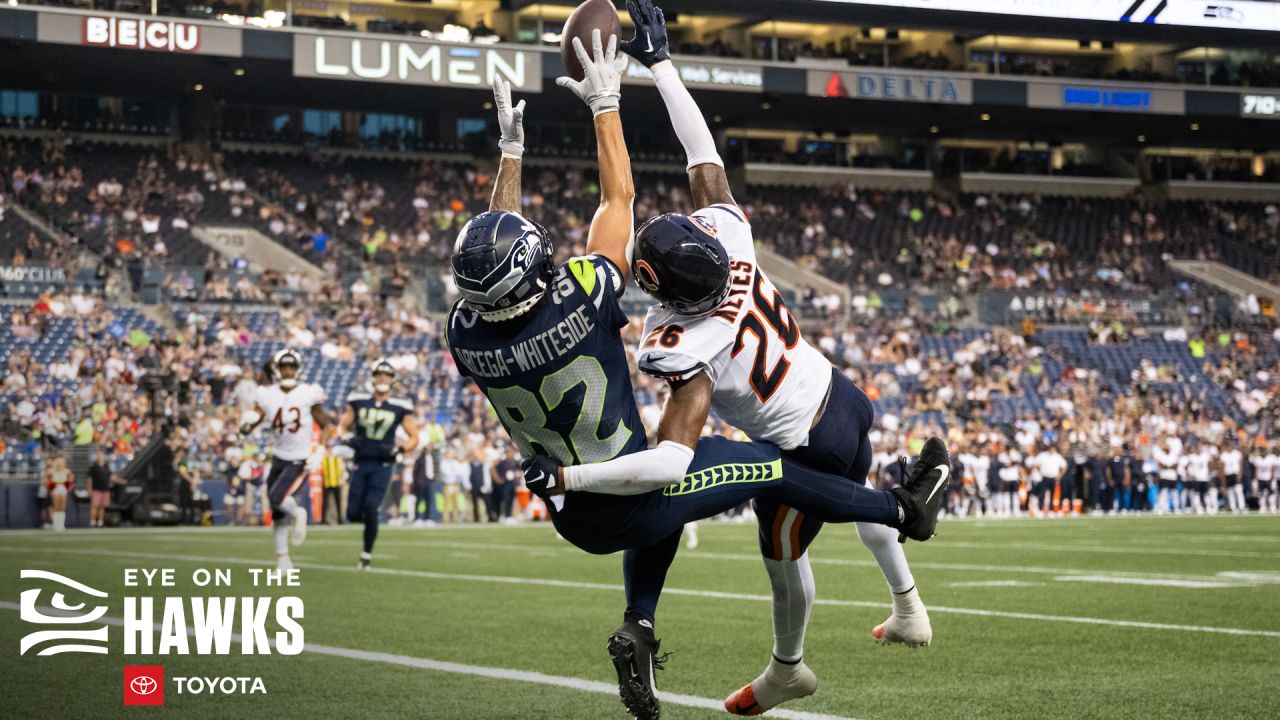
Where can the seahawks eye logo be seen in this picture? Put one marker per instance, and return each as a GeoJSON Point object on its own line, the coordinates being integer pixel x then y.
{"type": "Point", "coordinates": [647, 278]}
{"type": "Point", "coordinates": [62, 613]}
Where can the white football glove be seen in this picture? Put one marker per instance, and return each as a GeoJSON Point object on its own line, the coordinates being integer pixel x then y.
{"type": "Point", "coordinates": [600, 86]}
{"type": "Point", "coordinates": [510, 119]}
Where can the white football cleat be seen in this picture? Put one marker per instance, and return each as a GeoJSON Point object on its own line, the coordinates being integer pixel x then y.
{"type": "Point", "coordinates": [283, 563]}
{"type": "Point", "coordinates": [911, 630]}
{"type": "Point", "coordinates": [908, 625]}
{"type": "Point", "coordinates": [298, 531]}
{"type": "Point", "coordinates": [779, 683]}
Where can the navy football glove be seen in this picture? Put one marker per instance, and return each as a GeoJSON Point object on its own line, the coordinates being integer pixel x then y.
{"type": "Point", "coordinates": [650, 45]}
{"type": "Point", "coordinates": [542, 476]}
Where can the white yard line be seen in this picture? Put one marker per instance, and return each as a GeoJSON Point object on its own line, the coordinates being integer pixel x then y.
{"type": "Point", "coordinates": [549, 582]}
{"type": "Point", "coordinates": [1063, 547]}
{"type": "Point", "coordinates": [995, 584]}
{"type": "Point", "coordinates": [1156, 582]}
{"type": "Point", "coordinates": [537, 678]}
{"type": "Point", "coordinates": [423, 541]}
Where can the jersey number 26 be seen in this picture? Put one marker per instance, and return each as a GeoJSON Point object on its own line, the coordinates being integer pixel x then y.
{"type": "Point", "coordinates": [765, 382]}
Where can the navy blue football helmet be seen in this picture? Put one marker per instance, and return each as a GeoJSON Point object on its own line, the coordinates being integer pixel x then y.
{"type": "Point", "coordinates": [681, 263]}
{"type": "Point", "coordinates": [502, 264]}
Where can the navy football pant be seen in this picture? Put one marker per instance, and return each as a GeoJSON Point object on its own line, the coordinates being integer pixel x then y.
{"type": "Point", "coordinates": [369, 482]}
{"type": "Point", "coordinates": [838, 444]}
{"type": "Point", "coordinates": [723, 475]}
{"type": "Point", "coordinates": [283, 480]}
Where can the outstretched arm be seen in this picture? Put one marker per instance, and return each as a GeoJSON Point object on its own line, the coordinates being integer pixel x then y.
{"type": "Point", "coordinates": [506, 189]}
{"type": "Point", "coordinates": [682, 421]}
{"type": "Point", "coordinates": [613, 226]}
{"type": "Point", "coordinates": [708, 182]}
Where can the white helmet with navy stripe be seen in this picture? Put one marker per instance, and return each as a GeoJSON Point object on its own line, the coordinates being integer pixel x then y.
{"type": "Point", "coordinates": [502, 264]}
{"type": "Point", "coordinates": [381, 366]}
{"type": "Point", "coordinates": [286, 358]}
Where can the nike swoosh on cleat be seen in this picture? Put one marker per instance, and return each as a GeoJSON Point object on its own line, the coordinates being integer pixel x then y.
{"type": "Point", "coordinates": [946, 472]}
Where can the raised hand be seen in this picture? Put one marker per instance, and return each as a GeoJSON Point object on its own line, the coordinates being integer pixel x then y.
{"type": "Point", "coordinates": [650, 45]}
{"type": "Point", "coordinates": [510, 119]}
{"type": "Point", "coordinates": [601, 83]}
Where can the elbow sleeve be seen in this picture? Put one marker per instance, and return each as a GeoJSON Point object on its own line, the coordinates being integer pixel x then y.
{"type": "Point", "coordinates": [686, 119]}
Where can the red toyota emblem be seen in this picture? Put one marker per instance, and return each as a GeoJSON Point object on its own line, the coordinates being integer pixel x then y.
{"type": "Point", "coordinates": [143, 684]}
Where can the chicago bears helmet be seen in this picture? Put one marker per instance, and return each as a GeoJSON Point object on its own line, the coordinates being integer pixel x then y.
{"type": "Point", "coordinates": [680, 262]}
{"type": "Point", "coordinates": [286, 358]}
{"type": "Point", "coordinates": [502, 264]}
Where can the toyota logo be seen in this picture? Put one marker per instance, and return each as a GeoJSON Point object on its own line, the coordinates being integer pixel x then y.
{"type": "Point", "coordinates": [143, 685]}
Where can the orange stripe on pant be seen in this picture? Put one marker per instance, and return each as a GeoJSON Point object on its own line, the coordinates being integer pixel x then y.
{"type": "Point", "coordinates": [777, 531]}
{"type": "Point", "coordinates": [297, 483]}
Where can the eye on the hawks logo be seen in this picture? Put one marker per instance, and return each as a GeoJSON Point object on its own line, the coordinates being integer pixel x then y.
{"type": "Point", "coordinates": [64, 613]}
{"type": "Point", "coordinates": [143, 684]}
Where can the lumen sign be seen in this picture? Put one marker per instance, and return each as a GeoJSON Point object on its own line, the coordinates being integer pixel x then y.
{"type": "Point", "coordinates": [414, 63]}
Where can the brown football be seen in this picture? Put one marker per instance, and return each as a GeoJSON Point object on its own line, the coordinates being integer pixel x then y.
{"type": "Point", "coordinates": [588, 16]}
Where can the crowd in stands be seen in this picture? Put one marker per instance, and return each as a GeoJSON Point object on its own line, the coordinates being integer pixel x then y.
{"type": "Point", "coordinates": [1017, 405]}
{"type": "Point", "coordinates": [74, 362]}
{"type": "Point", "coordinates": [136, 207]}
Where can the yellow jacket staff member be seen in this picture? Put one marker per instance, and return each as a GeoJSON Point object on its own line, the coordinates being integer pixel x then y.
{"type": "Point", "coordinates": [332, 472]}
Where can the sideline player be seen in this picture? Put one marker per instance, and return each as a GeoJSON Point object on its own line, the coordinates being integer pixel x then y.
{"type": "Point", "coordinates": [544, 345]}
{"type": "Point", "coordinates": [290, 407]}
{"type": "Point", "coordinates": [375, 454]}
{"type": "Point", "coordinates": [724, 340]}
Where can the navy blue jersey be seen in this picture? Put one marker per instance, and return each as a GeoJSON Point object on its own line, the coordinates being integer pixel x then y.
{"type": "Point", "coordinates": [374, 434]}
{"type": "Point", "coordinates": [557, 376]}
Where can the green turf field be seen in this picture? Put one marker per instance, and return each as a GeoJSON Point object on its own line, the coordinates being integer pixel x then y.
{"type": "Point", "coordinates": [1080, 618]}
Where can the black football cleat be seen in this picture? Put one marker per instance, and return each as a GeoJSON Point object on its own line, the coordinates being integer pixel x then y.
{"type": "Point", "coordinates": [634, 651]}
{"type": "Point", "coordinates": [923, 491]}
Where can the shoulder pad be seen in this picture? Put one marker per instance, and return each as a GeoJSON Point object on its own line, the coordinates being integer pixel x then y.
{"type": "Point", "coordinates": [358, 396]}
{"type": "Point", "coordinates": [401, 403]}
{"type": "Point", "coordinates": [584, 271]}
{"type": "Point", "coordinates": [731, 210]}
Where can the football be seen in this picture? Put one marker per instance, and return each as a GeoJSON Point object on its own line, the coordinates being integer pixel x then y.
{"type": "Point", "coordinates": [588, 16]}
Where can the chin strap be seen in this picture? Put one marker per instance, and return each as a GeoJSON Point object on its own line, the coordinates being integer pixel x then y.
{"type": "Point", "coordinates": [516, 310]}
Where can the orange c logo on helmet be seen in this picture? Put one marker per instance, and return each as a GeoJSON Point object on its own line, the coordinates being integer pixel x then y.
{"type": "Point", "coordinates": [645, 275]}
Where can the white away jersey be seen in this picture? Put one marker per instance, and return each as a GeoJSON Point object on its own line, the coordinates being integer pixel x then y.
{"type": "Point", "coordinates": [768, 381]}
{"type": "Point", "coordinates": [288, 416]}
